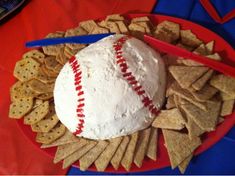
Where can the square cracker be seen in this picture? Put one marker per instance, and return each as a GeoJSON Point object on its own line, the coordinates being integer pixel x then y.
{"type": "Point", "coordinates": [200, 83]}
{"type": "Point", "coordinates": [227, 107]}
{"type": "Point", "coordinates": [117, 157]}
{"type": "Point", "coordinates": [90, 157]}
{"type": "Point", "coordinates": [37, 114]}
{"type": "Point", "coordinates": [122, 27]}
{"type": "Point", "coordinates": [114, 17]}
{"type": "Point", "coordinates": [206, 120]}
{"type": "Point", "coordinates": [130, 151]}
{"type": "Point", "coordinates": [67, 149]}
{"type": "Point", "coordinates": [67, 138]}
{"type": "Point", "coordinates": [78, 154]}
{"type": "Point", "coordinates": [140, 19]}
{"type": "Point", "coordinates": [141, 147]}
{"type": "Point", "coordinates": [179, 146]}
{"type": "Point", "coordinates": [185, 75]}
{"type": "Point", "coordinates": [103, 160]}
{"type": "Point", "coordinates": [224, 83]}
{"type": "Point", "coordinates": [169, 119]}
{"type": "Point", "coordinates": [35, 54]}
{"type": "Point", "coordinates": [52, 135]}
{"type": "Point", "coordinates": [113, 27]}
{"type": "Point", "coordinates": [20, 107]}
{"type": "Point", "coordinates": [152, 145]}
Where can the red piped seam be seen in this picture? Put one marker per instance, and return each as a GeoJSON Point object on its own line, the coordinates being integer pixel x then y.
{"type": "Point", "coordinates": [77, 82]}
{"type": "Point", "coordinates": [130, 78]}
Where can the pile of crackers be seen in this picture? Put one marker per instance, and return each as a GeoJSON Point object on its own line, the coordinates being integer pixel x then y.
{"type": "Point", "coordinates": [197, 99]}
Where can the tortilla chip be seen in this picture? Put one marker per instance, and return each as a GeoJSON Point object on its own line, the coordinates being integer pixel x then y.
{"type": "Point", "coordinates": [103, 160]}
{"type": "Point", "coordinates": [200, 83]}
{"type": "Point", "coordinates": [201, 50]}
{"type": "Point", "coordinates": [67, 138]}
{"type": "Point", "coordinates": [152, 145]}
{"type": "Point", "coordinates": [206, 120]}
{"type": "Point", "coordinates": [67, 149]}
{"type": "Point", "coordinates": [90, 157]}
{"type": "Point", "coordinates": [78, 154]}
{"type": "Point", "coordinates": [206, 93]}
{"type": "Point", "coordinates": [170, 102]}
{"type": "Point", "coordinates": [190, 39]}
{"type": "Point", "coordinates": [227, 107]}
{"type": "Point", "coordinates": [188, 48]}
{"type": "Point", "coordinates": [141, 147]}
{"type": "Point", "coordinates": [167, 31]}
{"type": "Point", "coordinates": [130, 151]}
{"type": "Point", "coordinates": [185, 94]}
{"type": "Point", "coordinates": [210, 47]}
{"type": "Point", "coordinates": [224, 83]}
{"type": "Point", "coordinates": [117, 157]}
{"type": "Point", "coordinates": [186, 76]}
{"type": "Point", "coordinates": [215, 56]}
{"type": "Point", "coordinates": [169, 119]}
{"type": "Point", "coordinates": [189, 62]}
{"type": "Point", "coordinates": [183, 166]}
{"type": "Point", "coordinates": [179, 146]}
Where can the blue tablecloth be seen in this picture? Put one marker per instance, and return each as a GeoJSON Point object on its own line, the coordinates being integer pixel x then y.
{"type": "Point", "coordinates": [219, 159]}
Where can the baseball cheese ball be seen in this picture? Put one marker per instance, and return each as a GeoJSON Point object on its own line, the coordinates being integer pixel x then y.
{"type": "Point", "coordinates": [111, 88]}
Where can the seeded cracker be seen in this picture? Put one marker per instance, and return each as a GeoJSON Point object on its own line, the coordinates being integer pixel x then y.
{"type": "Point", "coordinates": [141, 147]}
{"type": "Point", "coordinates": [117, 157]}
{"type": "Point", "coordinates": [37, 114]}
{"type": "Point", "coordinates": [227, 107]}
{"type": "Point", "coordinates": [35, 54]}
{"type": "Point", "coordinates": [169, 119]}
{"type": "Point", "coordinates": [67, 138]}
{"type": "Point", "coordinates": [51, 62]}
{"type": "Point", "coordinates": [130, 151]}
{"type": "Point", "coordinates": [203, 80]}
{"type": "Point", "coordinates": [20, 107]}
{"type": "Point", "coordinates": [206, 120]}
{"type": "Point", "coordinates": [26, 69]}
{"type": "Point", "coordinates": [78, 154]}
{"type": "Point", "coordinates": [45, 96]}
{"type": "Point", "coordinates": [186, 76]}
{"type": "Point", "coordinates": [103, 160]}
{"type": "Point", "coordinates": [87, 159]}
{"type": "Point", "coordinates": [224, 83]}
{"type": "Point", "coordinates": [152, 145]}
{"type": "Point", "coordinates": [40, 87]}
{"type": "Point", "coordinates": [52, 135]}
{"type": "Point", "coordinates": [67, 149]}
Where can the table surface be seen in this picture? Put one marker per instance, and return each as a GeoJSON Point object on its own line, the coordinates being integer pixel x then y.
{"type": "Point", "coordinates": [219, 159]}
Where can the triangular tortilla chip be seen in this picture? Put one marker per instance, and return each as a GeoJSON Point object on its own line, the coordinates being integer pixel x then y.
{"type": "Point", "coordinates": [170, 102]}
{"type": "Point", "coordinates": [152, 145]}
{"type": "Point", "coordinates": [117, 157]}
{"type": "Point", "coordinates": [65, 150]}
{"type": "Point", "coordinates": [206, 93]}
{"type": "Point", "coordinates": [182, 166]}
{"type": "Point", "coordinates": [206, 120]}
{"type": "Point", "coordinates": [179, 146]}
{"type": "Point", "coordinates": [227, 107]}
{"type": "Point", "coordinates": [186, 76]}
{"type": "Point", "coordinates": [226, 97]}
{"type": "Point", "coordinates": [201, 50]}
{"type": "Point", "coordinates": [130, 151]}
{"type": "Point", "coordinates": [169, 119]}
{"type": "Point", "coordinates": [78, 154]}
{"type": "Point", "coordinates": [210, 47]}
{"type": "Point", "coordinates": [141, 147]}
{"type": "Point", "coordinates": [103, 160]}
{"type": "Point", "coordinates": [189, 38]}
{"type": "Point", "coordinates": [198, 85]}
{"type": "Point", "coordinates": [185, 94]}
{"type": "Point", "coordinates": [90, 157]}
{"type": "Point", "coordinates": [224, 83]}
{"type": "Point", "coordinates": [215, 56]}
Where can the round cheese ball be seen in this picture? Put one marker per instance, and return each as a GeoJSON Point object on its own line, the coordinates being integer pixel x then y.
{"type": "Point", "coordinates": [95, 99]}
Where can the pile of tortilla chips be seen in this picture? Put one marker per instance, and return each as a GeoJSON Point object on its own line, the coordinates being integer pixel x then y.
{"type": "Point", "coordinates": [197, 98]}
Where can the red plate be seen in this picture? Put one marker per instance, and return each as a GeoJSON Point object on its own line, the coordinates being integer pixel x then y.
{"type": "Point", "coordinates": [209, 139]}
